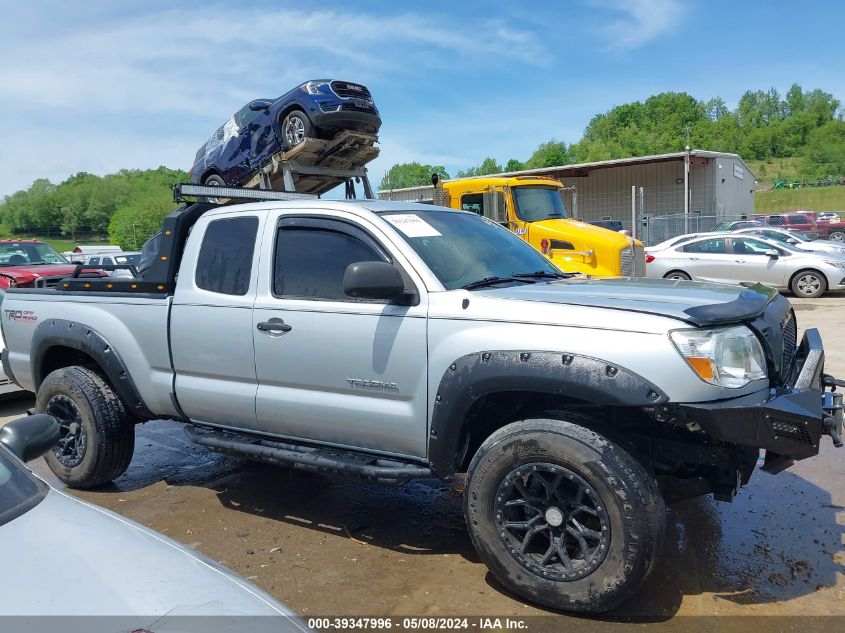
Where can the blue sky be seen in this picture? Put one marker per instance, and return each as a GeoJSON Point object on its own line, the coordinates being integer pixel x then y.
{"type": "Point", "coordinates": [98, 86]}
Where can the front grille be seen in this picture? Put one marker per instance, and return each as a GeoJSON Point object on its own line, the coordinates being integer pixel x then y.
{"type": "Point", "coordinates": [357, 108]}
{"type": "Point", "coordinates": [347, 90]}
{"type": "Point", "coordinates": [789, 330]}
{"type": "Point", "coordinates": [48, 282]}
{"type": "Point", "coordinates": [626, 262]}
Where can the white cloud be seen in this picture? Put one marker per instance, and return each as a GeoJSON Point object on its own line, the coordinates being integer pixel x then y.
{"type": "Point", "coordinates": [108, 92]}
{"type": "Point", "coordinates": [641, 22]}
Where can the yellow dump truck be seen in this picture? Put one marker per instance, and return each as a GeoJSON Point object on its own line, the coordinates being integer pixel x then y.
{"type": "Point", "coordinates": [534, 208]}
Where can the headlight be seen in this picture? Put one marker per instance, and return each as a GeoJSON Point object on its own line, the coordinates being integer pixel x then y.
{"type": "Point", "coordinates": [727, 357]}
{"type": "Point", "coordinates": [836, 264]}
{"type": "Point", "coordinates": [314, 87]}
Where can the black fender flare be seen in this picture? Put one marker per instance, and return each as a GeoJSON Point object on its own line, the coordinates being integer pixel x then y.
{"type": "Point", "coordinates": [61, 333]}
{"type": "Point", "coordinates": [555, 373]}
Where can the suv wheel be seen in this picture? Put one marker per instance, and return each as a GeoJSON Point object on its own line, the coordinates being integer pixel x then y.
{"type": "Point", "coordinates": [296, 127]}
{"type": "Point", "coordinates": [562, 516]}
{"type": "Point", "coordinates": [97, 438]}
{"type": "Point", "coordinates": [808, 284]}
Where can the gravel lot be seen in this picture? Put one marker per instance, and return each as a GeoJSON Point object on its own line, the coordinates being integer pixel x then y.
{"type": "Point", "coordinates": [334, 547]}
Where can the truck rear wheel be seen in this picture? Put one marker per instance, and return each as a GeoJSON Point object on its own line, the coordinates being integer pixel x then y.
{"type": "Point", "coordinates": [561, 515]}
{"type": "Point", "coordinates": [97, 438]}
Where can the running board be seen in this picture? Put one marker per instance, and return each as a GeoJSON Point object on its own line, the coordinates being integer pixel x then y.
{"type": "Point", "coordinates": [311, 458]}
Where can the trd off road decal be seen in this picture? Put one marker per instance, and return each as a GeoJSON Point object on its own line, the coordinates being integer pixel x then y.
{"type": "Point", "coordinates": [25, 316]}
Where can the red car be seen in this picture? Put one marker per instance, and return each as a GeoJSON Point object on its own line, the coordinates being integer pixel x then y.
{"type": "Point", "coordinates": [30, 263]}
{"type": "Point", "coordinates": [801, 222]}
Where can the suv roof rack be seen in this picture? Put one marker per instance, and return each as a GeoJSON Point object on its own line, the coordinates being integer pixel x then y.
{"type": "Point", "coordinates": [183, 191]}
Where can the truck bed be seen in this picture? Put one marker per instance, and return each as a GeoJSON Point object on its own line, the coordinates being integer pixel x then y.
{"type": "Point", "coordinates": [121, 318]}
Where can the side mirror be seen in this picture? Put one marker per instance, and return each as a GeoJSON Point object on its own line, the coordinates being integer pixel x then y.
{"type": "Point", "coordinates": [257, 106]}
{"type": "Point", "coordinates": [373, 280]}
{"type": "Point", "coordinates": [772, 253]}
{"type": "Point", "coordinates": [30, 437]}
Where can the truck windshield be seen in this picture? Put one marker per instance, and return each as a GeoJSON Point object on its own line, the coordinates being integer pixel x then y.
{"type": "Point", "coordinates": [462, 249]}
{"type": "Point", "coordinates": [28, 253]}
{"type": "Point", "coordinates": [534, 204]}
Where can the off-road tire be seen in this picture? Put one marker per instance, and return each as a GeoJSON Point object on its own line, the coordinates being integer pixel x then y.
{"type": "Point", "coordinates": [304, 124]}
{"type": "Point", "coordinates": [631, 500]}
{"type": "Point", "coordinates": [109, 433]}
{"type": "Point", "coordinates": [803, 275]}
{"type": "Point", "coordinates": [677, 274]}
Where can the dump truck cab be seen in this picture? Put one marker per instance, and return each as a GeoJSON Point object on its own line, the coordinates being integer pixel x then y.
{"type": "Point", "coordinates": [535, 208]}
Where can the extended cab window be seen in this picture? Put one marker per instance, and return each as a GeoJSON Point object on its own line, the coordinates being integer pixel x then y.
{"type": "Point", "coordinates": [225, 260]}
{"type": "Point", "coordinates": [312, 257]}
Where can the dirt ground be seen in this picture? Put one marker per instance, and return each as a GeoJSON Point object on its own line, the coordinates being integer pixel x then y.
{"type": "Point", "coordinates": [332, 547]}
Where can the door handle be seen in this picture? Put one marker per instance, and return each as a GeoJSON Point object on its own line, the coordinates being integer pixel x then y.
{"type": "Point", "coordinates": [739, 261]}
{"type": "Point", "coordinates": [694, 259]}
{"type": "Point", "coordinates": [276, 325]}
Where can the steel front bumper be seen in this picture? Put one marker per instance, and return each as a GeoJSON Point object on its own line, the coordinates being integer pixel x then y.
{"type": "Point", "coordinates": [787, 421]}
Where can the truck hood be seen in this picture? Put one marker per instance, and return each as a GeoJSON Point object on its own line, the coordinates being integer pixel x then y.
{"type": "Point", "coordinates": [587, 233]}
{"type": "Point", "coordinates": [71, 558]}
{"type": "Point", "coordinates": [24, 275]}
{"type": "Point", "coordinates": [691, 301]}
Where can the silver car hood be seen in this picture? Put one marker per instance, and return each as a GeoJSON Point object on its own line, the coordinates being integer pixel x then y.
{"type": "Point", "coordinates": [66, 557]}
{"type": "Point", "coordinates": [699, 303]}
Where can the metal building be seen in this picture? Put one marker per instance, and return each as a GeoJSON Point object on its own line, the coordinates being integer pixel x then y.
{"type": "Point", "coordinates": [720, 186]}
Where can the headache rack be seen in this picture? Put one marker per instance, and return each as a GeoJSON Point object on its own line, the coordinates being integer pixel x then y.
{"type": "Point", "coordinates": [160, 277]}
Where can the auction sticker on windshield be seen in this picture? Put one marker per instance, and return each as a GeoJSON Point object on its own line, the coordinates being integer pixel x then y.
{"type": "Point", "coordinates": [412, 225]}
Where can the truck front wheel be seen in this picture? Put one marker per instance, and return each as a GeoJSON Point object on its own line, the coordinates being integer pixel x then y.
{"type": "Point", "coordinates": [561, 515]}
{"type": "Point", "coordinates": [97, 438]}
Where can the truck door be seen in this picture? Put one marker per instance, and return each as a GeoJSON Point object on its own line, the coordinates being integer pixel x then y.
{"type": "Point", "coordinates": [332, 368]}
{"type": "Point", "coordinates": [211, 324]}
{"type": "Point", "coordinates": [490, 204]}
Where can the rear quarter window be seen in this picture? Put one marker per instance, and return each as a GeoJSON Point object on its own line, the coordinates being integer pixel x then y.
{"type": "Point", "coordinates": [224, 264]}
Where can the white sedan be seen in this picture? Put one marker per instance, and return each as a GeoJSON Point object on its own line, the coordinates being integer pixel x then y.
{"type": "Point", "coordinates": [733, 258]}
{"type": "Point", "coordinates": [797, 240]}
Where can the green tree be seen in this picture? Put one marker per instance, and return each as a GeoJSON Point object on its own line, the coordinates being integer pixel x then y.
{"type": "Point", "coordinates": [824, 154]}
{"type": "Point", "coordinates": [414, 174]}
{"type": "Point", "coordinates": [549, 154]}
{"type": "Point", "coordinates": [514, 165]}
{"type": "Point", "coordinates": [488, 166]}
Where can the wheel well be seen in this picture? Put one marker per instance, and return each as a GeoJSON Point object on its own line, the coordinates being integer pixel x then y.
{"type": "Point", "coordinates": [288, 110]}
{"type": "Point", "coordinates": [809, 270]}
{"type": "Point", "coordinates": [210, 172]}
{"type": "Point", "coordinates": [59, 357]}
{"type": "Point", "coordinates": [493, 411]}
{"type": "Point", "coordinates": [677, 270]}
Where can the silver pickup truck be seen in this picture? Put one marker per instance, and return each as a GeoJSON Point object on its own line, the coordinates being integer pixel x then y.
{"type": "Point", "coordinates": [391, 341]}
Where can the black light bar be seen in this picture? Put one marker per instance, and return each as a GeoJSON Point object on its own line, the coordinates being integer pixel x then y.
{"type": "Point", "coordinates": [184, 190]}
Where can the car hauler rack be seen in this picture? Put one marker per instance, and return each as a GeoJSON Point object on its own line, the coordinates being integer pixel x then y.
{"type": "Point", "coordinates": [317, 166]}
{"type": "Point", "coordinates": [160, 277]}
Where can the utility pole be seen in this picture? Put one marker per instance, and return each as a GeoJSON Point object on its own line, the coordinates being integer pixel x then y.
{"type": "Point", "coordinates": [686, 181]}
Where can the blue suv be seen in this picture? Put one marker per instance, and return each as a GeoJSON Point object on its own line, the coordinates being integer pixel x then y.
{"type": "Point", "coordinates": [264, 127]}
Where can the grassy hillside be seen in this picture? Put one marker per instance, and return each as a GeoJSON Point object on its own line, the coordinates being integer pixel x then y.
{"type": "Point", "coordinates": [804, 199]}
{"type": "Point", "coordinates": [769, 170]}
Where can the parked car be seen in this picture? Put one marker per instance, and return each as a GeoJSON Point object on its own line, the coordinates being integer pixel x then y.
{"type": "Point", "coordinates": [392, 341]}
{"type": "Point", "coordinates": [29, 263]}
{"type": "Point", "coordinates": [264, 127]}
{"type": "Point", "coordinates": [803, 223]}
{"type": "Point", "coordinates": [731, 258]}
{"type": "Point", "coordinates": [827, 216]}
{"type": "Point", "coordinates": [65, 557]}
{"type": "Point", "coordinates": [797, 240]}
{"type": "Point", "coordinates": [738, 224]}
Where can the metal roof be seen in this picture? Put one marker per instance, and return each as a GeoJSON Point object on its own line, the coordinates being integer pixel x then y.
{"type": "Point", "coordinates": [580, 169]}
